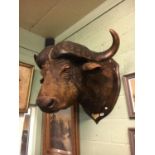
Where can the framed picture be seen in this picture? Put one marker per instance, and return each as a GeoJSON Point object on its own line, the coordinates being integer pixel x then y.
{"type": "Point", "coordinates": [25, 134]}
{"type": "Point", "coordinates": [131, 132]}
{"type": "Point", "coordinates": [129, 87]}
{"type": "Point", "coordinates": [61, 132]}
{"type": "Point", "coordinates": [25, 81]}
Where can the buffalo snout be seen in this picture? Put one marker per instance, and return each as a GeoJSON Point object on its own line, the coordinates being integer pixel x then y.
{"type": "Point", "coordinates": [47, 104]}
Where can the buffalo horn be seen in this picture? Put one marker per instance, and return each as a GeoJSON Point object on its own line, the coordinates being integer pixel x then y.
{"type": "Point", "coordinates": [68, 48]}
{"type": "Point", "coordinates": [112, 50]}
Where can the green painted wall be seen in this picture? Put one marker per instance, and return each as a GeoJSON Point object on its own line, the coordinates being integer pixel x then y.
{"type": "Point", "coordinates": [110, 136]}
{"type": "Point", "coordinates": [30, 44]}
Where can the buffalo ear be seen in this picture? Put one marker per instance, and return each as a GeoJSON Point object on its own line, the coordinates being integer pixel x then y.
{"type": "Point", "coordinates": [35, 58]}
{"type": "Point", "coordinates": [91, 66]}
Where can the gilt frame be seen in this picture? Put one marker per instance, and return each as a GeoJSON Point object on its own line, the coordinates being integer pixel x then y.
{"type": "Point", "coordinates": [26, 72]}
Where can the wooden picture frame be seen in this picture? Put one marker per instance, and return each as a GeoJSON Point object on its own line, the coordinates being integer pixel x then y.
{"type": "Point", "coordinates": [25, 82]}
{"type": "Point", "coordinates": [61, 132]}
{"type": "Point", "coordinates": [129, 87]}
{"type": "Point", "coordinates": [131, 132]}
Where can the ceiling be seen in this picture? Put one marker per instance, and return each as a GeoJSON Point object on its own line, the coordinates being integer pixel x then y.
{"type": "Point", "coordinates": [49, 18]}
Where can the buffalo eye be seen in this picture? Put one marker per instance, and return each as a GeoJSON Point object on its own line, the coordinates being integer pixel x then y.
{"type": "Point", "coordinates": [65, 72]}
{"type": "Point", "coordinates": [42, 80]}
{"type": "Point", "coordinates": [65, 68]}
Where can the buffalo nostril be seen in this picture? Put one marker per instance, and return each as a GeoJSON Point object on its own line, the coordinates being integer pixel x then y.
{"type": "Point", "coordinates": [51, 103]}
{"type": "Point", "coordinates": [46, 102]}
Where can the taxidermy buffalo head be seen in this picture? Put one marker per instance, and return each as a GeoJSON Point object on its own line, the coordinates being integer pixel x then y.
{"type": "Point", "coordinates": [74, 74]}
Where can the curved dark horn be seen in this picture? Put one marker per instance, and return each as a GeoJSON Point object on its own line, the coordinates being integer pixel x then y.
{"type": "Point", "coordinates": [67, 48]}
{"type": "Point", "coordinates": [43, 56]}
{"type": "Point", "coordinates": [112, 50]}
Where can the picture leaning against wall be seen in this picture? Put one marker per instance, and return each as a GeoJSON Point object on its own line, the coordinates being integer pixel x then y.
{"type": "Point", "coordinates": [129, 88]}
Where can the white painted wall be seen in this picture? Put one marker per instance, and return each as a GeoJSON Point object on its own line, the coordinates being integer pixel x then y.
{"type": "Point", "coordinates": [110, 136]}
